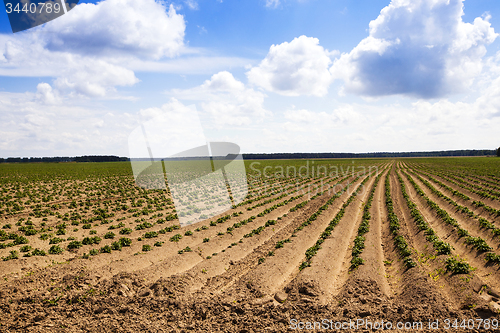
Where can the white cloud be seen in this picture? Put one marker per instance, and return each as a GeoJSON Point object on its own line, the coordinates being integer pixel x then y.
{"type": "Point", "coordinates": [117, 27]}
{"type": "Point", "coordinates": [200, 64]}
{"type": "Point", "coordinates": [46, 94]}
{"type": "Point", "coordinates": [74, 74]}
{"type": "Point", "coordinates": [174, 107]}
{"type": "Point", "coordinates": [227, 100]}
{"type": "Point", "coordinates": [223, 81]}
{"type": "Point", "coordinates": [202, 30]}
{"type": "Point", "coordinates": [420, 48]}
{"type": "Point", "coordinates": [344, 115]}
{"type": "Point", "coordinates": [88, 51]}
{"type": "Point", "coordinates": [94, 78]}
{"type": "Point", "coordinates": [230, 103]}
{"type": "Point", "coordinates": [96, 48]}
{"type": "Point", "coordinates": [293, 69]}
{"type": "Point", "coordinates": [192, 4]}
{"type": "Point", "coordinates": [488, 102]}
{"type": "Point", "coordinates": [300, 116]}
{"type": "Point", "coordinates": [29, 126]}
{"type": "Point", "coordinates": [169, 129]}
{"type": "Point", "coordinates": [418, 126]}
{"type": "Point", "coordinates": [272, 3]}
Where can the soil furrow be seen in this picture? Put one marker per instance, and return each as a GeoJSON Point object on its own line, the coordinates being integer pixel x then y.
{"type": "Point", "coordinates": [467, 203]}
{"type": "Point", "coordinates": [280, 268]}
{"type": "Point", "coordinates": [488, 274]}
{"type": "Point", "coordinates": [432, 264]}
{"type": "Point", "coordinates": [248, 260]}
{"type": "Point", "coordinates": [329, 268]}
{"type": "Point", "coordinates": [373, 254]}
{"type": "Point", "coordinates": [471, 224]}
{"type": "Point", "coordinates": [490, 202]}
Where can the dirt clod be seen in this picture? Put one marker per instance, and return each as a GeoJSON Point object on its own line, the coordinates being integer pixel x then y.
{"type": "Point", "coordinates": [280, 297]}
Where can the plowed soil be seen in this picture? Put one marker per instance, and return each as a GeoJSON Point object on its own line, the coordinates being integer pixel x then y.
{"type": "Point", "coordinates": [242, 287]}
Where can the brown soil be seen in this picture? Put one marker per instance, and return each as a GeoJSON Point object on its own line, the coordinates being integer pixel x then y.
{"type": "Point", "coordinates": [163, 291]}
{"type": "Point", "coordinates": [467, 203]}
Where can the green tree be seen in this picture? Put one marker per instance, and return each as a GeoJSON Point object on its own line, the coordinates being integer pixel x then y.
{"type": "Point", "coordinates": [498, 152]}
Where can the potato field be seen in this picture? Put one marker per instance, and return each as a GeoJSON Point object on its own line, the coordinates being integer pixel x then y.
{"type": "Point", "coordinates": [314, 244]}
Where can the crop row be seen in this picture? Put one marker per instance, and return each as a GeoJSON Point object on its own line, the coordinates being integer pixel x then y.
{"type": "Point", "coordinates": [269, 223]}
{"type": "Point", "coordinates": [313, 250]}
{"type": "Point", "coordinates": [477, 242]}
{"type": "Point", "coordinates": [484, 223]}
{"type": "Point", "coordinates": [452, 263]}
{"type": "Point", "coordinates": [394, 226]}
{"type": "Point", "coordinates": [364, 227]}
{"type": "Point", "coordinates": [477, 204]}
{"type": "Point", "coordinates": [312, 218]}
{"type": "Point", "coordinates": [465, 185]}
{"type": "Point", "coordinates": [440, 246]}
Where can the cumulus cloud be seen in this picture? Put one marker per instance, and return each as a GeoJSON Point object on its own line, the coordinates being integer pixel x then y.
{"type": "Point", "coordinates": [174, 107]}
{"type": "Point", "coordinates": [418, 126]}
{"type": "Point", "coordinates": [306, 120]}
{"type": "Point", "coordinates": [30, 126]}
{"type": "Point", "coordinates": [227, 100]}
{"type": "Point", "coordinates": [169, 129]}
{"type": "Point", "coordinates": [420, 48]}
{"type": "Point", "coordinates": [46, 94]}
{"type": "Point", "coordinates": [230, 103]}
{"type": "Point", "coordinates": [223, 81]}
{"type": "Point", "coordinates": [488, 103]}
{"type": "Point", "coordinates": [293, 69]}
{"type": "Point", "coordinates": [142, 28]}
{"type": "Point", "coordinates": [95, 78]}
{"type": "Point", "coordinates": [89, 51]}
{"type": "Point", "coordinates": [74, 74]}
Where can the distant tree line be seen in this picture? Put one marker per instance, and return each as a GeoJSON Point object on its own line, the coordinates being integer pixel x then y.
{"type": "Point", "coordinates": [272, 156]}
{"type": "Point", "coordinates": [101, 159]}
{"type": "Point", "coordinates": [63, 159]}
{"type": "Point", "coordinates": [447, 153]}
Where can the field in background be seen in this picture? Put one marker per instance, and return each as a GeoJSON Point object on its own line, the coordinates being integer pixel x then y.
{"type": "Point", "coordinates": [400, 240]}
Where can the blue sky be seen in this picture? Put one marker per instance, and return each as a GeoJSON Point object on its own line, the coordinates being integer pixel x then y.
{"type": "Point", "coordinates": [271, 76]}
